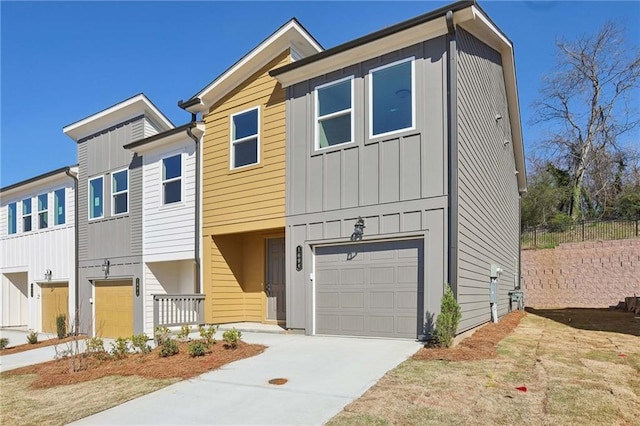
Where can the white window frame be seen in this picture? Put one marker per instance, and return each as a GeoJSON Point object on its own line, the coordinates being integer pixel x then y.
{"type": "Point", "coordinates": [318, 119]}
{"type": "Point", "coordinates": [113, 194]}
{"type": "Point", "coordinates": [413, 97]}
{"type": "Point", "coordinates": [30, 215]}
{"type": "Point", "coordinates": [90, 200]}
{"type": "Point", "coordinates": [163, 180]}
{"type": "Point", "coordinates": [232, 142]}
{"type": "Point", "coordinates": [55, 211]}
{"type": "Point", "coordinates": [15, 218]}
{"type": "Point", "coordinates": [46, 211]}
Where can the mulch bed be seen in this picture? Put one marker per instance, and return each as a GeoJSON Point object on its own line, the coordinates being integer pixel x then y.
{"type": "Point", "coordinates": [480, 345]}
{"type": "Point", "coordinates": [40, 344]}
{"type": "Point", "coordinates": [181, 365]}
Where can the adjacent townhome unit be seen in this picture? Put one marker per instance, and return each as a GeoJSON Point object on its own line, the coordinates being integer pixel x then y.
{"type": "Point", "coordinates": [404, 171]}
{"type": "Point", "coordinates": [37, 251]}
{"type": "Point", "coordinates": [110, 274]}
{"type": "Point", "coordinates": [243, 181]}
{"type": "Point", "coordinates": [170, 252]}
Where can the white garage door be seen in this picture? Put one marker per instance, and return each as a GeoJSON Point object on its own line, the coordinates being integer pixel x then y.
{"type": "Point", "coordinates": [370, 289]}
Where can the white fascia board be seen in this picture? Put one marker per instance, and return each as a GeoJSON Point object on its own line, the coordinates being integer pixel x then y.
{"type": "Point", "coordinates": [291, 34]}
{"type": "Point", "coordinates": [32, 186]}
{"type": "Point", "coordinates": [135, 106]}
{"type": "Point", "coordinates": [482, 28]}
{"type": "Point", "coordinates": [170, 140]}
{"type": "Point", "coordinates": [390, 43]}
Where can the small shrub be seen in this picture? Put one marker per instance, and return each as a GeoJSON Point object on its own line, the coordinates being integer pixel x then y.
{"type": "Point", "coordinates": [185, 330]}
{"type": "Point", "coordinates": [560, 222]}
{"type": "Point", "coordinates": [168, 348]}
{"type": "Point", "coordinates": [232, 337]}
{"type": "Point", "coordinates": [139, 343]}
{"type": "Point", "coordinates": [120, 348]}
{"type": "Point", "coordinates": [95, 344]}
{"type": "Point", "coordinates": [448, 319]}
{"type": "Point", "coordinates": [4, 342]}
{"type": "Point", "coordinates": [162, 334]}
{"type": "Point", "coordinates": [197, 348]}
{"type": "Point", "coordinates": [61, 326]}
{"type": "Point", "coordinates": [207, 333]}
{"type": "Point", "coordinates": [32, 338]}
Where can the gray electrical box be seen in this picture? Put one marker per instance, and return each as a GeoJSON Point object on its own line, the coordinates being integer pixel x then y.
{"type": "Point", "coordinates": [493, 290]}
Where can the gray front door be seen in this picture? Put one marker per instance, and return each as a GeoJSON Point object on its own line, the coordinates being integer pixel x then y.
{"type": "Point", "coordinates": [275, 288]}
{"type": "Point", "coordinates": [370, 289]}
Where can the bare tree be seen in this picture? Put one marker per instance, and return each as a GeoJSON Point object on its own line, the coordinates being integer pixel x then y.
{"type": "Point", "coordinates": [588, 101]}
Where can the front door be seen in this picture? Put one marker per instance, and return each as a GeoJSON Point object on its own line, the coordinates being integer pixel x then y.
{"type": "Point", "coordinates": [275, 286]}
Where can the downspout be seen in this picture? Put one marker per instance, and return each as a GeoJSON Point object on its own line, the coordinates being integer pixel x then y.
{"type": "Point", "coordinates": [452, 143]}
{"type": "Point", "coordinates": [76, 316]}
{"type": "Point", "coordinates": [197, 212]}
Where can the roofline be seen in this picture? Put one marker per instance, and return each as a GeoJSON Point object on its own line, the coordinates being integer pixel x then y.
{"type": "Point", "coordinates": [162, 135]}
{"type": "Point", "coordinates": [61, 170]}
{"type": "Point", "coordinates": [437, 13]}
{"type": "Point", "coordinates": [197, 98]}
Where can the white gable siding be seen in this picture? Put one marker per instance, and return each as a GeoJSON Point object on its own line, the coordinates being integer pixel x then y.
{"type": "Point", "coordinates": [168, 230]}
{"type": "Point", "coordinates": [36, 251]}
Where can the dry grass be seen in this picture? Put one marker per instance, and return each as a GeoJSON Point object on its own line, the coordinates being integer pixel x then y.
{"type": "Point", "coordinates": [573, 375]}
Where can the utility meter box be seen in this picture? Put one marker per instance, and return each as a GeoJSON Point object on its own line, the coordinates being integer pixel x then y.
{"type": "Point", "coordinates": [495, 271]}
{"type": "Point", "coordinates": [493, 290]}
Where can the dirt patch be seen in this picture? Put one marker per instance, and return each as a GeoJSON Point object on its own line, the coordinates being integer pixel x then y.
{"type": "Point", "coordinates": [480, 345]}
{"type": "Point", "coordinates": [152, 366]}
{"type": "Point", "coordinates": [40, 344]}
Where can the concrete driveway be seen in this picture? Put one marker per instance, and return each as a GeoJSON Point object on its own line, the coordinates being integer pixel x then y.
{"type": "Point", "coordinates": [324, 374]}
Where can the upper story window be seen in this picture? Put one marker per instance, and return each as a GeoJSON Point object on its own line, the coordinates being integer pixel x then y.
{"type": "Point", "coordinates": [43, 211]}
{"type": "Point", "coordinates": [12, 218]}
{"type": "Point", "coordinates": [245, 139]}
{"type": "Point", "coordinates": [392, 98]}
{"type": "Point", "coordinates": [26, 215]}
{"type": "Point", "coordinates": [120, 192]}
{"type": "Point", "coordinates": [96, 198]}
{"type": "Point", "coordinates": [334, 117]}
{"type": "Point", "coordinates": [172, 179]}
{"type": "Point", "coordinates": [58, 207]}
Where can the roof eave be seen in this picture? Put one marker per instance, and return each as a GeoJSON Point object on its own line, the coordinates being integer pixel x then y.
{"type": "Point", "coordinates": [39, 179]}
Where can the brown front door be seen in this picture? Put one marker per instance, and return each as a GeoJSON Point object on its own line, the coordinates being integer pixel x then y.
{"type": "Point", "coordinates": [55, 301]}
{"type": "Point", "coordinates": [275, 287]}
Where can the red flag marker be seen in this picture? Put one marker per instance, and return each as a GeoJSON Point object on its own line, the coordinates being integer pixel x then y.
{"type": "Point", "coordinates": [622, 355]}
{"type": "Point", "coordinates": [522, 388]}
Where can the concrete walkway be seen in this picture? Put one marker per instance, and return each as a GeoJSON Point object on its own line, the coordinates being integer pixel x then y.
{"type": "Point", "coordinates": [324, 374]}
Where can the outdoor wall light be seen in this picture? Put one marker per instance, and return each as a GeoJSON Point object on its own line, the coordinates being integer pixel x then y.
{"type": "Point", "coordinates": [47, 274]}
{"type": "Point", "coordinates": [358, 229]}
{"type": "Point", "coordinates": [105, 267]}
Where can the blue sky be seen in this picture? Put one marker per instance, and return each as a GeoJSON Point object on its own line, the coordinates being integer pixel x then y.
{"type": "Point", "coordinates": [63, 61]}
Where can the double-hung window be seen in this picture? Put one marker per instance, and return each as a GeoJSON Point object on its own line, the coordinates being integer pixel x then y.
{"type": "Point", "coordinates": [245, 138]}
{"type": "Point", "coordinates": [120, 192]}
{"type": "Point", "coordinates": [43, 211]}
{"type": "Point", "coordinates": [172, 179]}
{"type": "Point", "coordinates": [334, 113]}
{"type": "Point", "coordinates": [392, 98]}
{"type": "Point", "coordinates": [58, 207]}
{"type": "Point", "coordinates": [26, 215]}
{"type": "Point", "coordinates": [96, 198]}
{"type": "Point", "coordinates": [12, 211]}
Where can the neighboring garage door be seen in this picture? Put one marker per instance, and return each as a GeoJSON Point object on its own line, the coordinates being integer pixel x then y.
{"type": "Point", "coordinates": [55, 301]}
{"type": "Point", "coordinates": [370, 289]}
{"type": "Point", "coordinates": [114, 308]}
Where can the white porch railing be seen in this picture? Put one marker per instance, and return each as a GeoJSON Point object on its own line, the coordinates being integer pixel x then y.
{"type": "Point", "coordinates": [178, 309]}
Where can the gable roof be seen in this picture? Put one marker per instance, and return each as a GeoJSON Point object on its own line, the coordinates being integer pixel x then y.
{"type": "Point", "coordinates": [290, 35]}
{"type": "Point", "coordinates": [167, 137]}
{"type": "Point", "coordinates": [129, 108]}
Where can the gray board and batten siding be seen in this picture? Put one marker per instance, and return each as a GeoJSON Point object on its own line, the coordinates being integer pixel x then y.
{"type": "Point", "coordinates": [488, 198]}
{"type": "Point", "coordinates": [397, 184]}
{"type": "Point", "coordinates": [115, 238]}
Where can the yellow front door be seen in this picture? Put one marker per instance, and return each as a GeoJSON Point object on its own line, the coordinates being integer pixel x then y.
{"type": "Point", "coordinates": [114, 308]}
{"type": "Point", "coordinates": [55, 301]}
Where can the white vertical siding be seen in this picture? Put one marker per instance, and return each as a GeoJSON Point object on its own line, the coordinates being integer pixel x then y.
{"type": "Point", "coordinates": [168, 230]}
{"type": "Point", "coordinates": [34, 252]}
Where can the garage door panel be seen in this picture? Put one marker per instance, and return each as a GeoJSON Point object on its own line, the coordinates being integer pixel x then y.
{"type": "Point", "coordinates": [114, 308]}
{"type": "Point", "coordinates": [389, 280]}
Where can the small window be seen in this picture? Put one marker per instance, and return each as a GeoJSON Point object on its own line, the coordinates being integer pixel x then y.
{"type": "Point", "coordinates": [26, 215]}
{"type": "Point", "coordinates": [43, 211]}
{"type": "Point", "coordinates": [120, 192]}
{"type": "Point", "coordinates": [12, 213]}
{"type": "Point", "coordinates": [334, 118]}
{"type": "Point", "coordinates": [172, 179]}
{"type": "Point", "coordinates": [96, 195]}
{"type": "Point", "coordinates": [392, 98]}
{"type": "Point", "coordinates": [59, 207]}
{"type": "Point", "coordinates": [245, 140]}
